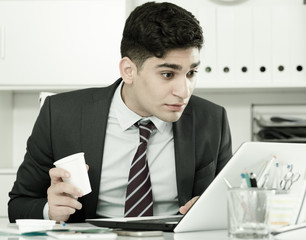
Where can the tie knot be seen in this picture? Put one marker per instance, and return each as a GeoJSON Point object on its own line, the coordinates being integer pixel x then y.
{"type": "Point", "coordinates": [145, 130]}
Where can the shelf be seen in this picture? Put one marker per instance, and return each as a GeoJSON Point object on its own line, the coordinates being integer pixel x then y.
{"type": "Point", "coordinates": [206, 86]}
{"type": "Point", "coordinates": [8, 171]}
{"type": "Point", "coordinates": [42, 88]}
{"type": "Point", "coordinates": [248, 86]}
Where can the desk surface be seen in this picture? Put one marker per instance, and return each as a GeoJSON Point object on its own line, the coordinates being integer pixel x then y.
{"type": "Point", "coordinates": [209, 235]}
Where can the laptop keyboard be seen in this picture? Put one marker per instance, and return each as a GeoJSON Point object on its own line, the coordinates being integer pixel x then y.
{"type": "Point", "coordinates": [161, 220]}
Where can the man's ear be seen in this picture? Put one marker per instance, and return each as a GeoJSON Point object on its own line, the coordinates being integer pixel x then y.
{"type": "Point", "coordinates": [128, 70]}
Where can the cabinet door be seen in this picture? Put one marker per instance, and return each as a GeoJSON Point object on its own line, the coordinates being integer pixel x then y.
{"type": "Point", "coordinates": [60, 42]}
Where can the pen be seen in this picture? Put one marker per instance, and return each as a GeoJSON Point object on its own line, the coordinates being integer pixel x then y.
{"type": "Point", "coordinates": [63, 224]}
{"type": "Point", "coordinates": [276, 176]}
{"type": "Point", "coordinates": [273, 180]}
{"type": "Point", "coordinates": [253, 180]}
{"type": "Point", "coordinates": [227, 183]}
{"type": "Point", "coordinates": [264, 173]}
{"type": "Point", "coordinates": [244, 183]}
{"type": "Point", "coordinates": [262, 169]}
{"type": "Point", "coordinates": [247, 178]}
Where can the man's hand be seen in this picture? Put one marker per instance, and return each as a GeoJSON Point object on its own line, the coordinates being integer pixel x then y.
{"type": "Point", "coordinates": [188, 205]}
{"type": "Point", "coordinates": [60, 196]}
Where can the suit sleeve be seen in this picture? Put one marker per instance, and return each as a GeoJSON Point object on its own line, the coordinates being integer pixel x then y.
{"type": "Point", "coordinates": [214, 153]}
{"type": "Point", "coordinates": [225, 149]}
{"type": "Point", "coordinates": [29, 193]}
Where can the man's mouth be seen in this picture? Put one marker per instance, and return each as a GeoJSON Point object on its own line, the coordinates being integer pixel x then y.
{"type": "Point", "coordinates": [176, 107]}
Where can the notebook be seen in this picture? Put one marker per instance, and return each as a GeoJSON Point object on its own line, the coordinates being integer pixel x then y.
{"type": "Point", "coordinates": [210, 211]}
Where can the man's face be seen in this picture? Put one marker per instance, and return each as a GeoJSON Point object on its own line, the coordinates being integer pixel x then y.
{"type": "Point", "coordinates": [163, 86]}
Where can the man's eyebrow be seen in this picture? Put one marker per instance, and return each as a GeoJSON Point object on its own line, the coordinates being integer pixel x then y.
{"type": "Point", "coordinates": [169, 65]}
{"type": "Point", "coordinates": [176, 66]}
{"type": "Point", "coordinates": [194, 65]}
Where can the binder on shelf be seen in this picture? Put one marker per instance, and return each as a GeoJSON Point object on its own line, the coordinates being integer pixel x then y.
{"type": "Point", "coordinates": [281, 69]}
{"type": "Point", "coordinates": [226, 43]}
{"type": "Point", "coordinates": [207, 19]}
{"type": "Point", "coordinates": [262, 43]}
{"type": "Point", "coordinates": [297, 47]}
{"type": "Point", "coordinates": [243, 44]}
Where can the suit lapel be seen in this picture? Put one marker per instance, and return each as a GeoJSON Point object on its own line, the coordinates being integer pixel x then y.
{"type": "Point", "coordinates": [184, 144]}
{"type": "Point", "coordinates": [94, 124]}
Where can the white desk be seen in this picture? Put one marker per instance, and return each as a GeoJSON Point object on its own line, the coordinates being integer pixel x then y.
{"type": "Point", "coordinates": [209, 235]}
{"type": "Point", "coordinates": [205, 235]}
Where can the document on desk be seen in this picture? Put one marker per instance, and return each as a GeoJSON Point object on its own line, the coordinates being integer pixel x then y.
{"type": "Point", "coordinates": [13, 230]}
{"type": "Point", "coordinates": [81, 235]}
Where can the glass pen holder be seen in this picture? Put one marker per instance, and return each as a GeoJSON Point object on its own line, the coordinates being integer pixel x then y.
{"type": "Point", "coordinates": [254, 212]}
{"type": "Point", "coordinates": [248, 213]}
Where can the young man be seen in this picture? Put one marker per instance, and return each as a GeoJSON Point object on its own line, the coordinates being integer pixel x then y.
{"type": "Point", "coordinates": [188, 146]}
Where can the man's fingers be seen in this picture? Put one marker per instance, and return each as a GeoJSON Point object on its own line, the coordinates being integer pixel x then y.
{"type": "Point", "coordinates": [61, 213]}
{"type": "Point", "coordinates": [64, 201]}
{"type": "Point", "coordinates": [62, 196]}
{"type": "Point", "coordinates": [63, 188]}
{"type": "Point", "coordinates": [57, 174]}
{"type": "Point", "coordinates": [193, 200]}
{"type": "Point", "coordinates": [184, 209]}
{"type": "Point", "coordinates": [61, 205]}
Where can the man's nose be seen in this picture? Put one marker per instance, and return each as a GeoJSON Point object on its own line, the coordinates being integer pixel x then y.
{"type": "Point", "coordinates": [182, 88]}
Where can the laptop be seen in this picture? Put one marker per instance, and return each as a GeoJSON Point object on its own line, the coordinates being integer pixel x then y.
{"type": "Point", "coordinates": [210, 211]}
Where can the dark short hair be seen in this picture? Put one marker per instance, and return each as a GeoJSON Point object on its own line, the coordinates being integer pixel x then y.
{"type": "Point", "coordinates": [153, 29]}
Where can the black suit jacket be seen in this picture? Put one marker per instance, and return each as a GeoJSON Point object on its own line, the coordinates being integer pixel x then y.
{"type": "Point", "coordinates": [76, 122]}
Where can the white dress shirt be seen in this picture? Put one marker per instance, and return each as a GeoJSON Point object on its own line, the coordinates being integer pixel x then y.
{"type": "Point", "coordinates": [121, 142]}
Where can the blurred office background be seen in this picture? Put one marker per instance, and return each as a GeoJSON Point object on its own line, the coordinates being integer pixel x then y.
{"type": "Point", "coordinates": [253, 62]}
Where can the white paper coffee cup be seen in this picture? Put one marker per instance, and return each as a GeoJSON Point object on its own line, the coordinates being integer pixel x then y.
{"type": "Point", "coordinates": [76, 166]}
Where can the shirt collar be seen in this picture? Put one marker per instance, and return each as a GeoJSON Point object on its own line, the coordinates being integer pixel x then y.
{"type": "Point", "coordinates": [126, 117]}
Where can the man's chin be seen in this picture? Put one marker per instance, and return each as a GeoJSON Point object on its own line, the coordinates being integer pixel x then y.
{"type": "Point", "coordinates": [170, 117]}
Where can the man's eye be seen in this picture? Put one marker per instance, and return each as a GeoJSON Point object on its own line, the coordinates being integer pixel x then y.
{"type": "Point", "coordinates": [167, 75]}
{"type": "Point", "coordinates": [192, 73]}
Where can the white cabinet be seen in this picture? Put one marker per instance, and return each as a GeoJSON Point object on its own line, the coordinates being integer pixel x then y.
{"type": "Point", "coordinates": [262, 46]}
{"type": "Point", "coordinates": [51, 43]}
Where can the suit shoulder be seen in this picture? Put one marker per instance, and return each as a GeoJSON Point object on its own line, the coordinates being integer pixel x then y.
{"type": "Point", "coordinates": [85, 95]}
{"type": "Point", "coordinates": [76, 95]}
{"type": "Point", "coordinates": [199, 103]}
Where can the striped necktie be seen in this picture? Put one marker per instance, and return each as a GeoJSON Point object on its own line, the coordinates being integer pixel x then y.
{"type": "Point", "coordinates": [139, 199]}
